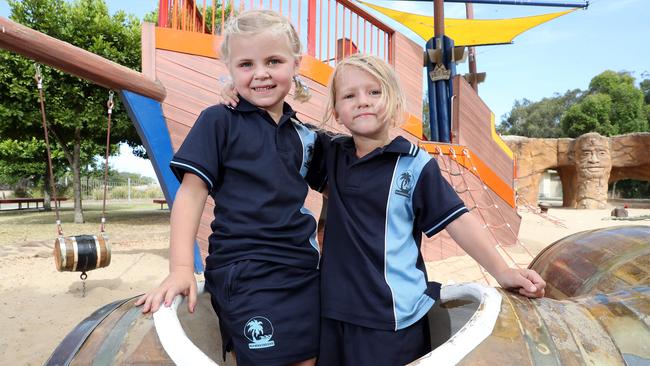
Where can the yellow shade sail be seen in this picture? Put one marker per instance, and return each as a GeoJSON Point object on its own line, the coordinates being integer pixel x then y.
{"type": "Point", "coordinates": [469, 32]}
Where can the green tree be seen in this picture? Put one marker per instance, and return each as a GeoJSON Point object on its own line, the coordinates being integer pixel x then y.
{"type": "Point", "coordinates": [76, 109]}
{"type": "Point", "coordinates": [592, 114]}
{"type": "Point", "coordinates": [613, 105]}
{"type": "Point", "coordinates": [538, 119]}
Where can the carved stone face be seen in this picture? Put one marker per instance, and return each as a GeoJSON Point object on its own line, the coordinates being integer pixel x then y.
{"type": "Point", "coordinates": [592, 156]}
{"type": "Point", "coordinates": [593, 165]}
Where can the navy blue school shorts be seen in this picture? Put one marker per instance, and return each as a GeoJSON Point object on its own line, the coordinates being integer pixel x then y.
{"type": "Point", "coordinates": [346, 344]}
{"type": "Point", "coordinates": [269, 313]}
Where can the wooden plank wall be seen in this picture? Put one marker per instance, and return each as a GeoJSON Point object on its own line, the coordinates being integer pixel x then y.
{"type": "Point", "coordinates": [471, 127]}
{"type": "Point", "coordinates": [409, 68]}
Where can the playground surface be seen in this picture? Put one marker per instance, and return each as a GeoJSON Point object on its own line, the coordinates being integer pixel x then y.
{"type": "Point", "coordinates": [40, 306]}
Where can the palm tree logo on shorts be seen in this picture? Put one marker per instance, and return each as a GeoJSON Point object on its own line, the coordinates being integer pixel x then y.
{"type": "Point", "coordinates": [404, 184]}
{"type": "Point", "coordinates": [259, 331]}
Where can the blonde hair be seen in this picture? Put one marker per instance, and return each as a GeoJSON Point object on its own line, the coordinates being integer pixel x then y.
{"type": "Point", "coordinates": [253, 22]}
{"type": "Point", "coordinates": [392, 96]}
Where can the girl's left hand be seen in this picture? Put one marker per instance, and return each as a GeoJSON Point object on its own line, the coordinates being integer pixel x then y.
{"type": "Point", "coordinates": [227, 93]}
{"type": "Point", "coordinates": [528, 282]}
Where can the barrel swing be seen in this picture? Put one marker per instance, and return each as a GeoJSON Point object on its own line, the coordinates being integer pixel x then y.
{"type": "Point", "coordinates": [79, 253]}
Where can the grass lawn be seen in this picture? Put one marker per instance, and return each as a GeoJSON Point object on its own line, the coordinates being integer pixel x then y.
{"type": "Point", "coordinates": [125, 222]}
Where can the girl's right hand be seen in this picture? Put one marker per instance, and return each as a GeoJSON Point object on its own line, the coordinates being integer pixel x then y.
{"type": "Point", "coordinates": [227, 93]}
{"type": "Point", "coordinates": [177, 282]}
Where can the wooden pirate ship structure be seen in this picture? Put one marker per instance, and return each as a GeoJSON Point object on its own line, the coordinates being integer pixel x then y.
{"type": "Point", "coordinates": [180, 76]}
{"type": "Point", "coordinates": [180, 73]}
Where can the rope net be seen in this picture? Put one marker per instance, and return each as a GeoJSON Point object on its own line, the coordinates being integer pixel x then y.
{"type": "Point", "coordinates": [440, 251]}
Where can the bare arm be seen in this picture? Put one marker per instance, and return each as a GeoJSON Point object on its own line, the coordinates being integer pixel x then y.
{"type": "Point", "coordinates": [468, 233]}
{"type": "Point", "coordinates": [185, 219]}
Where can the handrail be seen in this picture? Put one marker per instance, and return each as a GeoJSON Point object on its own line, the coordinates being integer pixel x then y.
{"type": "Point", "coordinates": [334, 28]}
{"type": "Point", "coordinates": [474, 331]}
{"type": "Point", "coordinates": [74, 60]}
{"type": "Point", "coordinates": [480, 325]}
{"type": "Point", "coordinates": [181, 14]}
{"type": "Point", "coordinates": [173, 338]}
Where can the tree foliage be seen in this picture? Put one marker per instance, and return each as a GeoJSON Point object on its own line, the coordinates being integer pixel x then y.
{"type": "Point", "coordinates": [538, 119]}
{"type": "Point", "coordinates": [76, 109]}
{"type": "Point", "coordinates": [613, 105]}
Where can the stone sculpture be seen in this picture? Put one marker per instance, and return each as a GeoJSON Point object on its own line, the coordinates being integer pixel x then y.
{"type": "Point", "coordinates": [585, 165]}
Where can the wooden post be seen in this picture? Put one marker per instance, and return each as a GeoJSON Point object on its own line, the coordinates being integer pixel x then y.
{"type": "Point", "coordinates": [471, 53]}
{"type": "Point", "coordinates": [74, 60]}
{"type": "Point", "coordinates": [439, 18]}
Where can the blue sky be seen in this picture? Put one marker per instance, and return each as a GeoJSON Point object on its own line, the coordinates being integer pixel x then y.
{"type": "Point", "coordinates": [562, 54]}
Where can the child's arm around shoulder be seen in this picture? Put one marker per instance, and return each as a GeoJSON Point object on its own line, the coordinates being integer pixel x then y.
{"type": "Point", "coordinates": [467, 232]}
{"type": "Point", "coordinates": [185, 218]}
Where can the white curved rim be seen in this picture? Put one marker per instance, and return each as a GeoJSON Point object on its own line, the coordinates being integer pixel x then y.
{"type": "Point", "coordinates": [474, 331]}
{"type": "Point", "coordinates": [173, 338]}
{"type": "Point", "coordinates": [183, 352]}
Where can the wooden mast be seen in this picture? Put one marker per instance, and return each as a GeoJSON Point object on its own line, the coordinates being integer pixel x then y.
{"type": "Point", "coordinates": [74, 60]}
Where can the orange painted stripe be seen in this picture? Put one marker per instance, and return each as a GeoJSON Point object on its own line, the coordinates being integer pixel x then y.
{"type": "Point", "coordinates": [483, 172]}
{"type": "Point", "coordinates": [315, 70]}
{"type": "Point", "coordinates": [207, 45]}
{"type": "Point", "coordinates": [413, 125]}
{"type": "Point", "coordinates": [192, 43]}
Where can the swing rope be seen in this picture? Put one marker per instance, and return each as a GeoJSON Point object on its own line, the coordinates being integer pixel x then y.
{"type": "Point", "coordinates": [39, 84]}
{"type": "Point", "coordinates": [110, 105]}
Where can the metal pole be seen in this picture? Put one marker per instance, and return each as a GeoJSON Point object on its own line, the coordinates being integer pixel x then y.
{"type": "Point", "coordinates": [439, 18]}
{"type": "Point", "coordinates": [128, 182]}
{"type": "Point", "coordinates": [471, 53]}
{"type": "Point", "coordinates": [582, 4]}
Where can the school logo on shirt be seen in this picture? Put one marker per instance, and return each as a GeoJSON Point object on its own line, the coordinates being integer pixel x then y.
{"type": "Point", "coordinates": [404, 183]}
{"type": "Point", "coordinates": [259, 331]}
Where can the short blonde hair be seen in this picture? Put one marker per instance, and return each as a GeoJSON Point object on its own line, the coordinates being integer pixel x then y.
{"type": "Point", "coordinates": [391, 94]}
{"type": "Point", "coordinates": [253, 22]}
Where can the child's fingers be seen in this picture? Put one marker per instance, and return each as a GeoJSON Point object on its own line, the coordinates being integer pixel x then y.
{"type": "Point", "coordinates": [191, 303]}
{"type": "Point", "coordinates": [141, 300]}
{"type": "Point", "coordinates": [157, 299]}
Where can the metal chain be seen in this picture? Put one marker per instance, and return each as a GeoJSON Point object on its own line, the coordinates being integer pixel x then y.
{"type": "Point", "coordinates": [83, 277]}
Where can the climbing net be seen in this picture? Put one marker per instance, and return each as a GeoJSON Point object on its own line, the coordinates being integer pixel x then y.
{"type": "Point", "coordinates": [468, 183]}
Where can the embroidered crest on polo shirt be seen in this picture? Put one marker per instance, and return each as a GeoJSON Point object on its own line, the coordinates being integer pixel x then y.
{"type": "Point", "coordinates": [259, 331]}
{"type": "Point", "coordinates": [404, 183]}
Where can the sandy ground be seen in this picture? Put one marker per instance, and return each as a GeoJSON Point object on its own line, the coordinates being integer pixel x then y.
{"type": "Point", "coordinates": [40, 306]}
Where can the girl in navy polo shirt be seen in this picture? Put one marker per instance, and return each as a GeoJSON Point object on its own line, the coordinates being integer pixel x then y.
{"type": "Point", "coordinates": [253, 160]}
{"type": "Point", "coordinates": [383, 194]}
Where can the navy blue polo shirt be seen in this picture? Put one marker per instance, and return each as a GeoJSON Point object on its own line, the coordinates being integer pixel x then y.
{"type": "Point", "coordinates": [372, 271]}
{"type": "Point", "coordinates": [256, 172]}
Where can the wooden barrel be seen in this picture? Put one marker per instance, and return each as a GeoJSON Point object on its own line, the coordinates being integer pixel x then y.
{"type": "Point", "coordinates": [119, 334]}
{"type": "Point", "coordinates": [596, 261]}
{"type": "Point", "coordinates": [81, 253]}
{"type": "Point", "coordinates": [609, 329]}
{"type": "Point", "coordinates": [590, 330]}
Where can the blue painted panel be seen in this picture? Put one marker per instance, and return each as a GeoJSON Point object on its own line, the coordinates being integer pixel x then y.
{"type": "Point", "coordinates": [147, 117]}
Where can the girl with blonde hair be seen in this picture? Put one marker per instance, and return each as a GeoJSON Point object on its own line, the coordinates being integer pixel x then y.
{"type": "Point", "coordinates": [253, 160]}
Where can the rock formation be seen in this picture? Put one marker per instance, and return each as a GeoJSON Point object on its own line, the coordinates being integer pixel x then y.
{"type": "Point", "coordinates": [585, 165]}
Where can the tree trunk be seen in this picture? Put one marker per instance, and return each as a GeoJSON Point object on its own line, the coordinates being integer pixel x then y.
{"type": "Point", "coordinates": [76, 178]}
